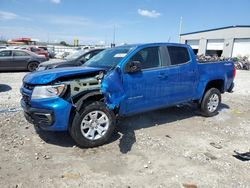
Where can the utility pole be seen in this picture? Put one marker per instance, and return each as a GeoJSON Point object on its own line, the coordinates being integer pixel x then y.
{"type": "Point", "coordinates": [47, 38]}
{"type": "Point", "coordinates": [113, 43]}
{"type": "Point", "coordinates": [169, 39]}
{"type": "Point", "coordinates": [105, 43]}
{"type": "Point", "coordinates": [180, 29]}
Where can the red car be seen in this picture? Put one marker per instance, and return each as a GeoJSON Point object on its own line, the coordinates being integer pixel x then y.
{"type": "Point", "coordinates": [39, 51]}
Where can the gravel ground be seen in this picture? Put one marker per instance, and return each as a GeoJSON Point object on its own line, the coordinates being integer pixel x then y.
{"type": "Point", "coordinates": [173, 147]}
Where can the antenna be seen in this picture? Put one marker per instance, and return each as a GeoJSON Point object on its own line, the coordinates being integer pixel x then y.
{"type": "Point", "coordinates": [114, 36]}
{"type": "Point", "coordinates": [180, 29]}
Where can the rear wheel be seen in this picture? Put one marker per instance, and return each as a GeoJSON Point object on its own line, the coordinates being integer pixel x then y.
{"type": "Point", "coordinates": [32, 66]}
{"type": "Point", "coordinates": [210, 102]}
{"type": "Point", "coordinates": [93, 125]}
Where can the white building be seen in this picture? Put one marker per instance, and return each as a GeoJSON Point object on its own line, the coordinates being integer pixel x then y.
{"type": "Point", "coordinates": [229, 41]}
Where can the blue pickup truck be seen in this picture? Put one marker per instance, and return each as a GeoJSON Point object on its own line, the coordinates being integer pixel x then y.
{"type": "Point", "coordinates": [122, 81]}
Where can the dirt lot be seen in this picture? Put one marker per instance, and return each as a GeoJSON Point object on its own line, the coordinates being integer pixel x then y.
{"type": "Point", "coordinates": [164, 148]}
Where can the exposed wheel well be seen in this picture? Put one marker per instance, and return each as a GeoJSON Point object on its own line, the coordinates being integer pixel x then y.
{"type": "Point", "coordinates": [32, 62]}
{"type": "Point", "coordinates": [83, 100]}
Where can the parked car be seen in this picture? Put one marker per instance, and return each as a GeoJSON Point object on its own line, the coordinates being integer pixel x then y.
{"type": "Point", "coordinates": [61, 55]}
{"type": "Point", "coordinates": [51, 53]}
{"type": "Point", "coordinates": [39, 51]}
{"type": "Point", "coordinates": [122, 81]}
{"type": "Point", "coordinates": [19, 60]}
{"type": "Point", "coordinates": [3, 47]}
{"type": "Point", "coordinates": [76, 59]}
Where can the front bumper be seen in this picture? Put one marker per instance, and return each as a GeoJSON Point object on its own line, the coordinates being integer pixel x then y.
{"type": "Point", "coordinates": [48, 114]}
{"type": "Point", "coordinates": [39, 117]}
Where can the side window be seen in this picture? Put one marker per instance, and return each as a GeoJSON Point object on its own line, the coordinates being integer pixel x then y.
{"type": "Point", "coordinates": [178, 55]}
{"type": "Point", "coordinates": [149, 57]}
{"type": "Point", "coordinates": [20, 53]}
{"type": "Point", "coordinates": [86, 57]}
{"type": "Point", "coordinates": [5, 53]}
{"type": "Point", "coordinates": [94, 53]}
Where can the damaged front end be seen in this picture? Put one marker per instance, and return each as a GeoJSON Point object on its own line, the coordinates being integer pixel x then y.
{"type": "Point", "coordinates": [99, 85]}
{"type": "Point", "coordinates": [81, 85]}
{"type": "Point", "coordinates": [108, 85]}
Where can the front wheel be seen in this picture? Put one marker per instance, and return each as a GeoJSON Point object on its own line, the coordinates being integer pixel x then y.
{"type": "Point", "coordinates": [210, 102]}
{"type": "Point", "coordinates": [93, 125]}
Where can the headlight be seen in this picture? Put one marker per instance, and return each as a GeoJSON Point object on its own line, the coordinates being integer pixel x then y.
{"type": "Point", "coordinates": [42, 92]}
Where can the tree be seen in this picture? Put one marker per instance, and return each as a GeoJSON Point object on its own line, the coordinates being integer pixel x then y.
{"type": "Point", "coordinates": [63, 43]}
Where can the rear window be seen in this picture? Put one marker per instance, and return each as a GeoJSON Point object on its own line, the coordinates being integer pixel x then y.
{"type": "Point", "coordinates": [178, 55]}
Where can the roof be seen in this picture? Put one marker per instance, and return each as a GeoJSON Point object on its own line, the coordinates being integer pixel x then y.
{"type": "Point", "coordinates": [220, 28]}
{"type": "Point", "coordinates": [143, 45]}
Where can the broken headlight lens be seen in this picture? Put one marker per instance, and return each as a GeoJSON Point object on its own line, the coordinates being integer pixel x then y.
{"type": "Point", "coordinates": [42, 92]}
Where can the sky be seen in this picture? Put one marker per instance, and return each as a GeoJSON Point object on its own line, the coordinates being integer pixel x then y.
{"type": "Point", "coordinates": [135, 21]}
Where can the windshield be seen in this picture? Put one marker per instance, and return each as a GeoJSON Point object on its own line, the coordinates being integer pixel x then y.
{"type": "Point", "coordinates": [74, 55]}
{"type": "Point", "coordinates": [108, 58]}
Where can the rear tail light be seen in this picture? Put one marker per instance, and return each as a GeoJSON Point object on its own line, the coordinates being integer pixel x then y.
{"type": "Point", "coordinates": [234, 72]}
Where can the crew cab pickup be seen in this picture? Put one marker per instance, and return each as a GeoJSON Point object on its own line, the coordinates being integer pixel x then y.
{"type": "Point", "coordinates": [122, 81]}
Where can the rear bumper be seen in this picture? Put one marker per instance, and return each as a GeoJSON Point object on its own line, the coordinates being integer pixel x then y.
{"type": "Point", "coordinates": [48, 114]}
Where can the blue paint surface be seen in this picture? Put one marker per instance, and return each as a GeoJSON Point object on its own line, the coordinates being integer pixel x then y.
{"type": "Point", "coordinates": [141, 91]}
{"type": "Point", "coordinates": [47, 76]}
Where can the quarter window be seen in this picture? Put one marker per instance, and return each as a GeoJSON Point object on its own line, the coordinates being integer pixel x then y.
{"type": "Point", "coordinates": [5, 53]}
{"type": "Point", "coordinates": [149, 57]}
{"type": "Point", "coordinates": [20, 53]}
{"type": "Point", "coordinates": [178, 55]}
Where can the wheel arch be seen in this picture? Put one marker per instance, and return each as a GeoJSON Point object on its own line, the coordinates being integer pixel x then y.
{"type": "Point", "coordinates": [32, 61]}
{"type": "Point", "coordinates": [218, 84]}
{"type": "Point", "coordinates": [80, 100]}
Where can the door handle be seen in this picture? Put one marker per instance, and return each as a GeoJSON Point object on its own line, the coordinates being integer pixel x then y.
{"type": "Point", "coordinates": [162, 76]}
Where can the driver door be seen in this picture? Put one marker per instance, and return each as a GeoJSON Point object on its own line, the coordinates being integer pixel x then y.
{"type": "Point", "coordinates": [143, 88]}
{"type": "Point", "coordinates": [6, 59]}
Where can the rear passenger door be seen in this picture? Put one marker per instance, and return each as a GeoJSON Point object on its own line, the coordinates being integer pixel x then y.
{"type": "Point", "coordinates": [20, 59]}
{"type": "Point", "coordinates": [180, 62]}
{"type": "Point", "coordinates": [169, 79]}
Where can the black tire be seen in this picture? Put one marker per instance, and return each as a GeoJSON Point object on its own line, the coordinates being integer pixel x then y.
{"type": "Point", "coordinates": [32, 66]}
{"type": "Point", "coordinates": [206, 109]}
{"type": "Point", "coordinates": [76, 132]}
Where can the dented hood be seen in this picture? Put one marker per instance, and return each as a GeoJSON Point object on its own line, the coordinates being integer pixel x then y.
{"type": "Point", "coordinates": [48, 76]}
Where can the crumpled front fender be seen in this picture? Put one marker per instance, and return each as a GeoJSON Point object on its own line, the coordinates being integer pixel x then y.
{"type": "Point", "coordinates": [112, 88]}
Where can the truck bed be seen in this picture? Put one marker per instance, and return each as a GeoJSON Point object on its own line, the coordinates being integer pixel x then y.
{"type": "Point", "coordinates": [218, 70]}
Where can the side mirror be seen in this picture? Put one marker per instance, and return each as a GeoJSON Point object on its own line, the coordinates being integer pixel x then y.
{"type": "Point", "coordinates": [133, 66]}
